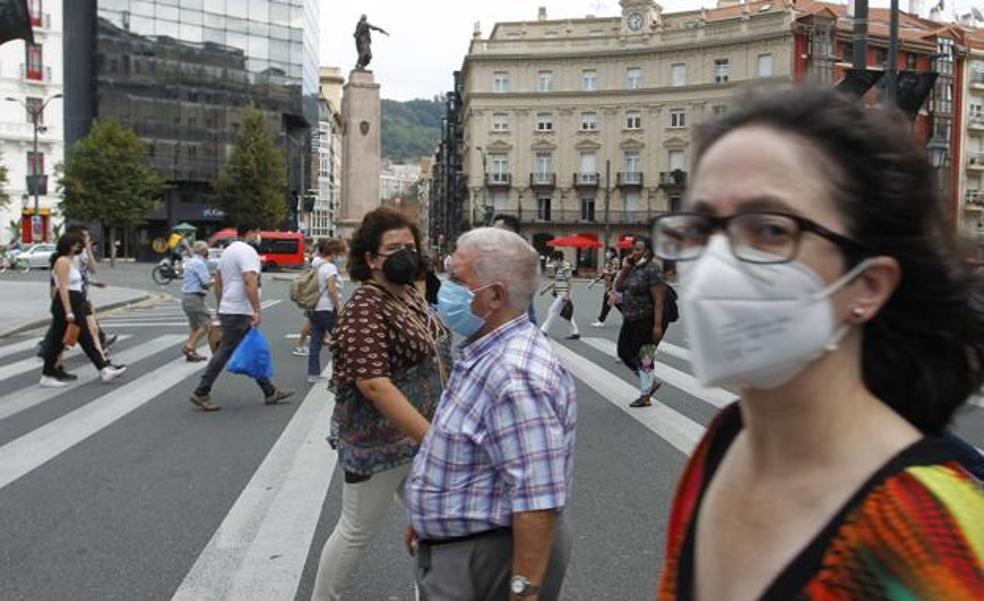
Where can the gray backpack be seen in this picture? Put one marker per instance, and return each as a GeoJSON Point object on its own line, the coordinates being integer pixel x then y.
{"type": "Point", "coordinates": [305, 290]}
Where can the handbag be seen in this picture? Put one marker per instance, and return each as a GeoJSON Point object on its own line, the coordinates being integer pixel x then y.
{"type": "Point", "coordinates": [71, 335]}
{"type": "Point", "coordinates": [567, 311]}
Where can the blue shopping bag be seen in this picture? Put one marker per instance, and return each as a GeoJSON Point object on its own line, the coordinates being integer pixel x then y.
{"type": "Point", "coordinates": [252, 357]}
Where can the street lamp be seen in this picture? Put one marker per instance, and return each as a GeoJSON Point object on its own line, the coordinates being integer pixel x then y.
{"type": "Point", "coordinates": [485, 187]}
{"type": "Point", "coordinates": [937, 148]}
{"type": "Point", "coordinates": [36, 112]}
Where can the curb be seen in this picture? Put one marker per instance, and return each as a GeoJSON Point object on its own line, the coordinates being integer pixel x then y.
{"type": "Point", "coordinates": [42, 322]}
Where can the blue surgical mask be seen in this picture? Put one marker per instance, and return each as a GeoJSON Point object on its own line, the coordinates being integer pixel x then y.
{"type": "Point", "coordinates": [454, 306]}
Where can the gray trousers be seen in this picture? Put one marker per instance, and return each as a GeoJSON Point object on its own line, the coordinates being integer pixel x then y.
{"type": "Point", "coordinates": [479, 569]}
{"type": "Point", "coordinates": [234, 328]}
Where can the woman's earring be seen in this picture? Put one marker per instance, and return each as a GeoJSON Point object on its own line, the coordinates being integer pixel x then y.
{"type": "Point", "coordinates": [857, 313]}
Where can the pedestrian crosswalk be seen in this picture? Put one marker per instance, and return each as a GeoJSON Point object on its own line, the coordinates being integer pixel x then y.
{"type": "Point", "coordinates": [262, 547]}
{"type": "Point", "coordinates": [167, 314]}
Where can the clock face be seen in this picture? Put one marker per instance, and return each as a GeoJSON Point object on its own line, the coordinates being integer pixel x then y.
{"type": "Point", "coordinates": [636, 21]}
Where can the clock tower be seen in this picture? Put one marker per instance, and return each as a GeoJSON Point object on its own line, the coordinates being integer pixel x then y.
{"type": "Point", "coordinates": [640, 17]}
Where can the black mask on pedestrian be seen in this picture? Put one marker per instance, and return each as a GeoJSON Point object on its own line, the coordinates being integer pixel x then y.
{"type": "Point", "coordinates": [401, 266]}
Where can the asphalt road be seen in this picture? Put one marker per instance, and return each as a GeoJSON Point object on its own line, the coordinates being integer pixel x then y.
{"type": "Point", "coordinates": [128, 492]}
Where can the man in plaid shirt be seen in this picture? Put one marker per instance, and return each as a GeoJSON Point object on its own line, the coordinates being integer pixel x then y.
{"type": "Point", "coordinates": [486, 493]}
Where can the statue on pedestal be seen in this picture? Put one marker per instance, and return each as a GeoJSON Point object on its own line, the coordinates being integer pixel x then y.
{"type": "Point", "coordinates": [363, 41]}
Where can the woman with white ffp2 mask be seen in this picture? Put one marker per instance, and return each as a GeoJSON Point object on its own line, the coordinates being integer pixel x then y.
{"type": "Point", "coordinates": [817, 280]}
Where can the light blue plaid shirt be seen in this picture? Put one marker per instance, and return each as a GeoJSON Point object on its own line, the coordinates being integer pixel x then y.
{"type": "Point", "coordinates": [502, 439]}
{"type": "Point", "coordinates": [196, 276]}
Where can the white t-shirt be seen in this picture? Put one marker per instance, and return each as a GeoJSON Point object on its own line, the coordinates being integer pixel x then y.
{"type": "Point", "coordinates": [238, 258]}
{"type": "Point", "coordinates": [326, 269]}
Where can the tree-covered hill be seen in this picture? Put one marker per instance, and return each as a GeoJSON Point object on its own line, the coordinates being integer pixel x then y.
{"type": "Point", "coordinates": [411, 129]}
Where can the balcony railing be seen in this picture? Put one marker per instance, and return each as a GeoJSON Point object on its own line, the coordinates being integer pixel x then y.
{"type": "Point", "coordinates": [976, 120]}
{"type": "Point", "coordinates": [673, 179]}
{"type": "Point", "coordinates": [31, 75]}
{"type": "Point", "coordinates": [586, 180]}
{"type": "Point", "coordinates": [975, 160]}
{"type": "Point", "coordinates": [498, 180]}
{"type": "Point", "coordinates": [629, 179]}
{"type": "Point", "coordinates": [974, 198]}
{"type": "Point", "coordinates": [976, 78]}
{"type": "Point", "coordinates": [543, 180]}
{"type": "Point", "coordinates": [579, 217]}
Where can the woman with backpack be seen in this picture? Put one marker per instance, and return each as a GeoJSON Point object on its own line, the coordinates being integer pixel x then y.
{"type": "Point", "coordinates": [648, 306]}
{"type": "Point", "coordinates": [322, 316]}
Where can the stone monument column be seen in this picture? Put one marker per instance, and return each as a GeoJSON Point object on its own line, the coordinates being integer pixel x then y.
{"type": "Point", "coordinates": [361, 125]}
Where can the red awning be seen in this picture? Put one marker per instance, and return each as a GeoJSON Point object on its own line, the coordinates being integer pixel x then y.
{"type": "Point", "coordinates": [574, 242]}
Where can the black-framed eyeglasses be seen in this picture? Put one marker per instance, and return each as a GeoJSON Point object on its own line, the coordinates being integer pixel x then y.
{"type": "Point", "coordinates": [758, 237]}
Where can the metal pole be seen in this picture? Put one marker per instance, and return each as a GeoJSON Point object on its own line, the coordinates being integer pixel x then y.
{"type": "Point", "coordinates": [891, 67]}
{"type": "Point", "coordinates": [608, 227]}
{"type": "Point", "coordinates": [860, 38]}
{"type": "Point", "coordinates": [37, 182]}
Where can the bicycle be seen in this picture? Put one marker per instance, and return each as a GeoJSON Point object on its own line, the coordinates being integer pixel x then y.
{"type": "Point", "coordinates": [166, 272]}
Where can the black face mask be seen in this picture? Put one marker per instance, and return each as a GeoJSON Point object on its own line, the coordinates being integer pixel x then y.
{"type": "Point", "coordinates": [401, 266]}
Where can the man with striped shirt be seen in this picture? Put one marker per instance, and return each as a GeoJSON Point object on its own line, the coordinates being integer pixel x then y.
{"type": "Point", "coordinates": [485, 497]}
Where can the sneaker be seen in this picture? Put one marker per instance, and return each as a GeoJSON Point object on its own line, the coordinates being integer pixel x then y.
{"type": "Point", "coordinates": [316, 379]}
{"type": "Point", "coordinates": [111, 372]}
{"type": "Point", "coordinates": [598, 324]}
{"type": "Point", "coordinates": [63, 376]}
{"type": "Point", "coordinates": [204, 401]}
{"type": "Point", "coordinates": [52, 382]}
{"type": "Point", "coordinates": [278, 395]}
{"type": "Point", "coordinates": [574, 337]}
{"type": "Point", "coordinates": [301, 351]}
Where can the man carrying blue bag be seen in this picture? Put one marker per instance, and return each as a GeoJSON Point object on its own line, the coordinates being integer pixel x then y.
{"type": "Point", "coordinates": [237, 291]}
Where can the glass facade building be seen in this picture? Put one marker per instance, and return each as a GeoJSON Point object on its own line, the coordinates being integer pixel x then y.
{"type": "Point", "coordinates": [180, 73]}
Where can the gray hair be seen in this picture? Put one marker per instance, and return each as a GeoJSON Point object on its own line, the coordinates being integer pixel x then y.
{"type": "Point", "coordinates": [199, 246]}
{"type": "Point", "coordinates": [502, 256]}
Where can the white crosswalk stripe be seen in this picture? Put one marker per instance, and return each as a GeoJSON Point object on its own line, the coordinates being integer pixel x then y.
{"type": "Point", "coordinates": [35, 363]}
{"type": "Point", "coordinates": [21, 400]}
{"type": "Point", "coordinates": [168, 315]}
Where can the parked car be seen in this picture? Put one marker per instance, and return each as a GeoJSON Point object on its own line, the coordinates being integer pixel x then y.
{"type": "Point", "coordinates": [214, 255]}
{"type": "Point", "coordinates": [38, 256]}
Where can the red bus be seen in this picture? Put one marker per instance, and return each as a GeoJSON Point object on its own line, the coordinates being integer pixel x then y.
{"type": "Point", "coordinates": [277, 249]}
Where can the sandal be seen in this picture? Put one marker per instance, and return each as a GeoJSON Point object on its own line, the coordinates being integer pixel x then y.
{"type": "Point", "coordinates": [642, 401]}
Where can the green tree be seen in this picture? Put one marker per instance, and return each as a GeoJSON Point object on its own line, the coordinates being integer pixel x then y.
{"type": "Point", "coordinates": [4, 197]}
{"type": "Point", "coordinates": [251, 188]}
{"type": "Point", "coordinates": [108, 180]}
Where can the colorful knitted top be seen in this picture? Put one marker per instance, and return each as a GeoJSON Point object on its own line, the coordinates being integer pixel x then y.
{"type": "Point", "coordinates": [913, 531]}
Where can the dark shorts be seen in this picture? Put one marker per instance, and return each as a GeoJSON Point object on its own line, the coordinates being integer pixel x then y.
{"type": "Point", "coordinates": [197, 311]}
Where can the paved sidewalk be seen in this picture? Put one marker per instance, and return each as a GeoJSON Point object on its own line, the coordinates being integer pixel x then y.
{"type": "Point", "coordinates": [25, 305]}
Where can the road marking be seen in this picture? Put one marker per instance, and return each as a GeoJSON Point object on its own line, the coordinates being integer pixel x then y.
{"type": "Point", "coordinates": [674, 351]}
{"type": "Point", "coordinates": [673, 427]}
{"type": "Point", "coordinates": [25, 454]}
{"type": "Point", "coordinates": [19, 347]}
{"type": "Point", "coordinates": [718, 397]}
{"type": "Point", "coordinates": [24, 399]}
{"type": "Point", "coordinates": [144, 324]}
{"type": "Point", "coordinates": [32, 363]}
{"type": "Point", "coordinates": [259, 550]}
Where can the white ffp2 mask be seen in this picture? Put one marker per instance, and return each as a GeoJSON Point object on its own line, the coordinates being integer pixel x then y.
{"type": "Point", "coordinates": [756, 325]}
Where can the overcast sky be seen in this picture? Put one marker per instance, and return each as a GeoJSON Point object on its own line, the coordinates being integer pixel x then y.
{"type": "Point", "coordinates": [429, 38]}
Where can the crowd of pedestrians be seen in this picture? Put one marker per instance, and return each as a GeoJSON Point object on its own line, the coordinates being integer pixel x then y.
{"type": "Point", "coordinates": [810, 282]}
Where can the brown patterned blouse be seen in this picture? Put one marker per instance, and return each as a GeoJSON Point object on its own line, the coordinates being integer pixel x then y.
{"type": "Point", "coordinates": [375, 336]}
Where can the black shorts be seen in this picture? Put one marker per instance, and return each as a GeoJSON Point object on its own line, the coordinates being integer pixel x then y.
{"type": "Point", "coordinates": [87, 308]}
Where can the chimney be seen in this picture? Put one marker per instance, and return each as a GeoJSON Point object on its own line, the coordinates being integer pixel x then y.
{"type": "Point", "coordinates": [477, 30]}
{"type": "Point", "coordinates": [850, 8]}
{"type": "Point", "coordinates": [542, 14]}
{"type": "Point", "coordinates": [915, 7]}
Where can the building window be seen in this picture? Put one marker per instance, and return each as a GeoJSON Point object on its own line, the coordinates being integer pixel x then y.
{"type": "Point", "coordinates": [675, 160]}
{"type": "Point", "coordinates": [589, 121]}
{"type": "Point", "coordinates": [847, 52]}
{"type": "Point", "coordinates": [719, 109]}
{"type": "Point", "coordinates": [498, 165]}
{"type": "Point", "coordinates": [589, 80]}
{"type": "Point", "coordinates": [589, 168]}
{"type": "Point", "coordinates": [633, 162]}
{"type": "Point", "coordinates": [633, 120]}
{"type": "Point", "coordinates": [543, 209]}
{"type": "Point", "coordinates": [544, 122]}
{"type": "Point", "coordinates": [587, 209]}
{"type": "Point", "coordinates": [543, 166]}
{"type": "Point", "coordinates": [633, 78]}
{"type": "Point", "coordinates": [721, 70]}
{"type": "Point", "coordinates": [678, 74]}
{"type": "Point", "coordinates": [544, 81]}
{"type": "Point", "coordinates": [35, 9]}
{"type": "Point", "coordinates": [500, 122]}
{"type": "Point", "coordinates": [911, 61]}
{"type": "Point", "coordinates": [881, 57]}
{"type": "Point", "coordinates": [33, 161]}
{"type": "Point", "coordinates": [678, 118]}
{"type": "Point", "coordinates": [34, 106]}
{"type": "Point", "coordinates": [764, 65]}
{"type": "Point", "coordinates": [35, 64]}
{"type": "Point", "coordinates": [500, 82]}
{"type": "Point", "coordinates": [676, 203]}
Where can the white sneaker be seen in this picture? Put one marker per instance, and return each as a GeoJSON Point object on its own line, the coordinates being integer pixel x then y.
{"type": "Point", "coordinates": [108, 374]}
{"type": "Point", "coordinates": [598, 324]}
{"type": "Point", "coordinates": [301, 351]}
{"type": "Point", "coordinates": [316, 379]}
{"type": "Point", "coordinates": [52, 382]}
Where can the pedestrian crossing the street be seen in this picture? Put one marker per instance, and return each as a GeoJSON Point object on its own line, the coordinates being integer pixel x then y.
{"type": "Point", "coordinates": [262, 546]}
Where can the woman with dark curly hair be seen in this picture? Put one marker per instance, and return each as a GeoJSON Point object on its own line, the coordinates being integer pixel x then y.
{"type": "Point", "coordinates": [818, 277]}
{"type": "Point", "coordinates": [391, 355]}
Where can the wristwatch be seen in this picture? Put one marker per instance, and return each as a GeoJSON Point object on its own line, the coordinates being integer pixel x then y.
{"type": "Point", "coordinates": [521, 587]}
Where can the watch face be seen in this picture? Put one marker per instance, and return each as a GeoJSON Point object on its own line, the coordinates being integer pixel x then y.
{"type": "Point", "coordinates": [518, 585]}
{"type": "Point", "coordinates": [635, 21]}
